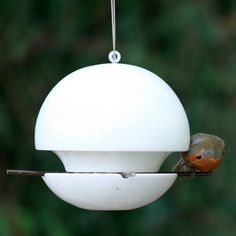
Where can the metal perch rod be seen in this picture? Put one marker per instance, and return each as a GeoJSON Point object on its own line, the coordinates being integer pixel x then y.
{"type": "Point", "coordinates": [42, 173]}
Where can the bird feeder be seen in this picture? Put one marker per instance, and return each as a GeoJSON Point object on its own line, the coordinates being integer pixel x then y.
{"type": "Point", "coordinates": [112, 126]}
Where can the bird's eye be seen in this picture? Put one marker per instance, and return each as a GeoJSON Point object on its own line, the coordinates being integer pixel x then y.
{"type": "Point", "coordinates": [199, 157]}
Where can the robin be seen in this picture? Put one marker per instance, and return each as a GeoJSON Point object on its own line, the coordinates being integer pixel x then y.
{"type": "Point", "coordinates": [205, 154]}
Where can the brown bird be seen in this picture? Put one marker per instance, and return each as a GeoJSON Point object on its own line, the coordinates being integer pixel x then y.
{"type": "Point", "coordinates": [205, 154]}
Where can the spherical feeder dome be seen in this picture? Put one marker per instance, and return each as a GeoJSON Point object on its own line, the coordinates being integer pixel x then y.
{"type": "Point", "coordinates": [112, 107]}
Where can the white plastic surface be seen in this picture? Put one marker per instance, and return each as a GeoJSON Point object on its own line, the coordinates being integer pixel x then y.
{"type": "Point", "coordinates": [112, 107]}
{"type": "Point", "coordinates": [75, 161]}
{"type": "Point", "coordinates": [109, 191]}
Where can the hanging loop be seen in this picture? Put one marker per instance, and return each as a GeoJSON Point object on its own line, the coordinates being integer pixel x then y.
{"type": "Point", "coordinates": [114, 56]}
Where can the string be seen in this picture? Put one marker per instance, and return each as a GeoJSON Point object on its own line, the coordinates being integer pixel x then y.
{"type": "Point", "coordinates": [113, 23]}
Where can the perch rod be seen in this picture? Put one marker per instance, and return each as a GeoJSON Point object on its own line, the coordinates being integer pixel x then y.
{"type": "Point", "coordinates": [42, 173]}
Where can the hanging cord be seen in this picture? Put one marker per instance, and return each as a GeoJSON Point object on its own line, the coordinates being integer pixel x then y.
{"type": "Point", "coordinates": [114, 56]}
{"type": "Point", "coordinates": [113, 23]}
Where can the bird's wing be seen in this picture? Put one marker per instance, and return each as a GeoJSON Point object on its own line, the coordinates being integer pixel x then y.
{"type": "Point", "coordinates": [182, 165]}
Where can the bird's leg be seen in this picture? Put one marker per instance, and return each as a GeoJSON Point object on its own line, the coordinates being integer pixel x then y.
{"type": "Point", "coordinates": [192, 172]}
{"type": "Point", "coordinates": [187, 167]}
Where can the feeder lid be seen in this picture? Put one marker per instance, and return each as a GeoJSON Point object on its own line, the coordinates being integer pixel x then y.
{"type": "Point", "coordinates": [112, 107]}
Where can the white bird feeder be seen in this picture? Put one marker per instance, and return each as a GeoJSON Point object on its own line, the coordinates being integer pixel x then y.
{"type": "Point", "coordinates": [109, 119]}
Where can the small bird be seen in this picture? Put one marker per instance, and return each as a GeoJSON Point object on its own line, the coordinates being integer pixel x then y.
{"type": "Point", "coordinates": [205, 154]}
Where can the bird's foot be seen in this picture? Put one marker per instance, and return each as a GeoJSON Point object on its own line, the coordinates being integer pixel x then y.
{"type": "Point", "coordinates": [209, 173]}
{"type": "Point", "coordinates": [192, 173]}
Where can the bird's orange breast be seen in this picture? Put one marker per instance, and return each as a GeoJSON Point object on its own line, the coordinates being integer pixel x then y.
{"type": "Point", "coordinates": [205, 164]}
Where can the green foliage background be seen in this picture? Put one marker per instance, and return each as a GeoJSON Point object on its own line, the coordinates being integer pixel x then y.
{"type": "Point", "coordinates": [190, 44]}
